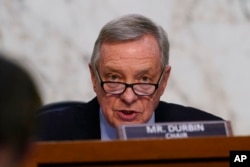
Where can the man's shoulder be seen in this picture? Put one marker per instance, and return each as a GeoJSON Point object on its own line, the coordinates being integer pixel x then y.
{"type": "Point", "coordinates": [67, 107]}
{"type": "Point", "coordinates": [78, 120]}
{"type": "Point", "coordinates": [169, 112]}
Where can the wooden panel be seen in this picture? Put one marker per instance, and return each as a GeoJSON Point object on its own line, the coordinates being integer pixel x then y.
{"type": "Point", "coordinates": [173, 152]}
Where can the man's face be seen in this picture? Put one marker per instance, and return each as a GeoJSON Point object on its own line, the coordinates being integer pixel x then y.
{"type": "Point", "coordinates": [129, 62]}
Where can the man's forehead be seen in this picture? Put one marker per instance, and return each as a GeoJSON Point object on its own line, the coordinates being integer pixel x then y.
{"type": "Point", "coordinates": [129, 54]}
{"type": "Point", "coordinates": [148, 42]}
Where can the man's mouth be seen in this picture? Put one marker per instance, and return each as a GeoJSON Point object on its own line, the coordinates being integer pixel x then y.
{"type": "Point", "coordinates": [127, 115]}
{"type": "Point", "coordinates": [127, 112]}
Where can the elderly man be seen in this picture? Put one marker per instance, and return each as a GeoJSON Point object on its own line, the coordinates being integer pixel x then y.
{"type": "Point", "coordinates": [129, 70]}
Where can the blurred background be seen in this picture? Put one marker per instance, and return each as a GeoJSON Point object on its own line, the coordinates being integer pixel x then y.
{"type": "Point", "coordinates": [209, 54]}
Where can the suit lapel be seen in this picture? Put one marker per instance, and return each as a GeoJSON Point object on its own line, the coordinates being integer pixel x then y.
{"type": "Point", "coordinates": [88, 119]}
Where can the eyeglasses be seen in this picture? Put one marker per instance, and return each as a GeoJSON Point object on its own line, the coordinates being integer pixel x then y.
{"type": "Point", "coordinates": [140, 89]}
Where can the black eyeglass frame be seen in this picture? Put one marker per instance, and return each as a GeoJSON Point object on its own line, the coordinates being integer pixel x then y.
{"type": "Point", "coordinates": [129, 85]}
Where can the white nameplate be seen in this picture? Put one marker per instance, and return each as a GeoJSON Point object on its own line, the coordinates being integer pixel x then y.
{"type": "Point", "coordinates": [175, 130]}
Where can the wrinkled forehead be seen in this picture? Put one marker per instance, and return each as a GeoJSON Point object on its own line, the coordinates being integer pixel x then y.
{"type": "Point", "coordinates": [145, 47]}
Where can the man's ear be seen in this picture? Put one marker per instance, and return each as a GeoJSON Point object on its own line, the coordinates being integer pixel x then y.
{"type": "Point", "coordinates": [93, 77]}
{"type": "Point", "coordinates": [165, 78]}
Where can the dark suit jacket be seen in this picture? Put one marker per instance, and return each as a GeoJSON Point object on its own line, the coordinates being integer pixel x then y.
{"type": "Point", "coordinates": [82, 122]}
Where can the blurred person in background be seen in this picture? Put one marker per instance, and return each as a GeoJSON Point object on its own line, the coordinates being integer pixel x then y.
{"type": "Point", "coordinates": [19, 100]}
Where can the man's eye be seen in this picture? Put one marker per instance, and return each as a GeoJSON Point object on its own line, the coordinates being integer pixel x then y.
{"type": "Point", "coordinates": [145, 79]}
{"type": "Point", "coordinates": [113, 78]}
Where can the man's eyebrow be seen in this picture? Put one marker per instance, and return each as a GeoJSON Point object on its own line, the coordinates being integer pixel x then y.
{"type": "Point", "coordinates": [137, 72]}
{"type": "Point", "coordinates": [109, 70]}
{"type": "Point", "coordinates": [144, 71]}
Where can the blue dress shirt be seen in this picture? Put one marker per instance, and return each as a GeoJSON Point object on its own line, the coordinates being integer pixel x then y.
{"type": "Point", "coordinates": [110, 133]}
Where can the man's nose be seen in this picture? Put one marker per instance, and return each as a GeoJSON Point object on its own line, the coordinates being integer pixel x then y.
{"type": "Point", "coordinates": [128, 95]}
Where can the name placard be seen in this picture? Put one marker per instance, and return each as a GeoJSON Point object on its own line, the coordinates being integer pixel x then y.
{"type": "Point", "coordinates": [175, 130]}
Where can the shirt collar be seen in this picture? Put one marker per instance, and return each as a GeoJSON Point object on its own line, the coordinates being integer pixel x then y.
{"type": "Point", "coordinates": [110, 133]}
